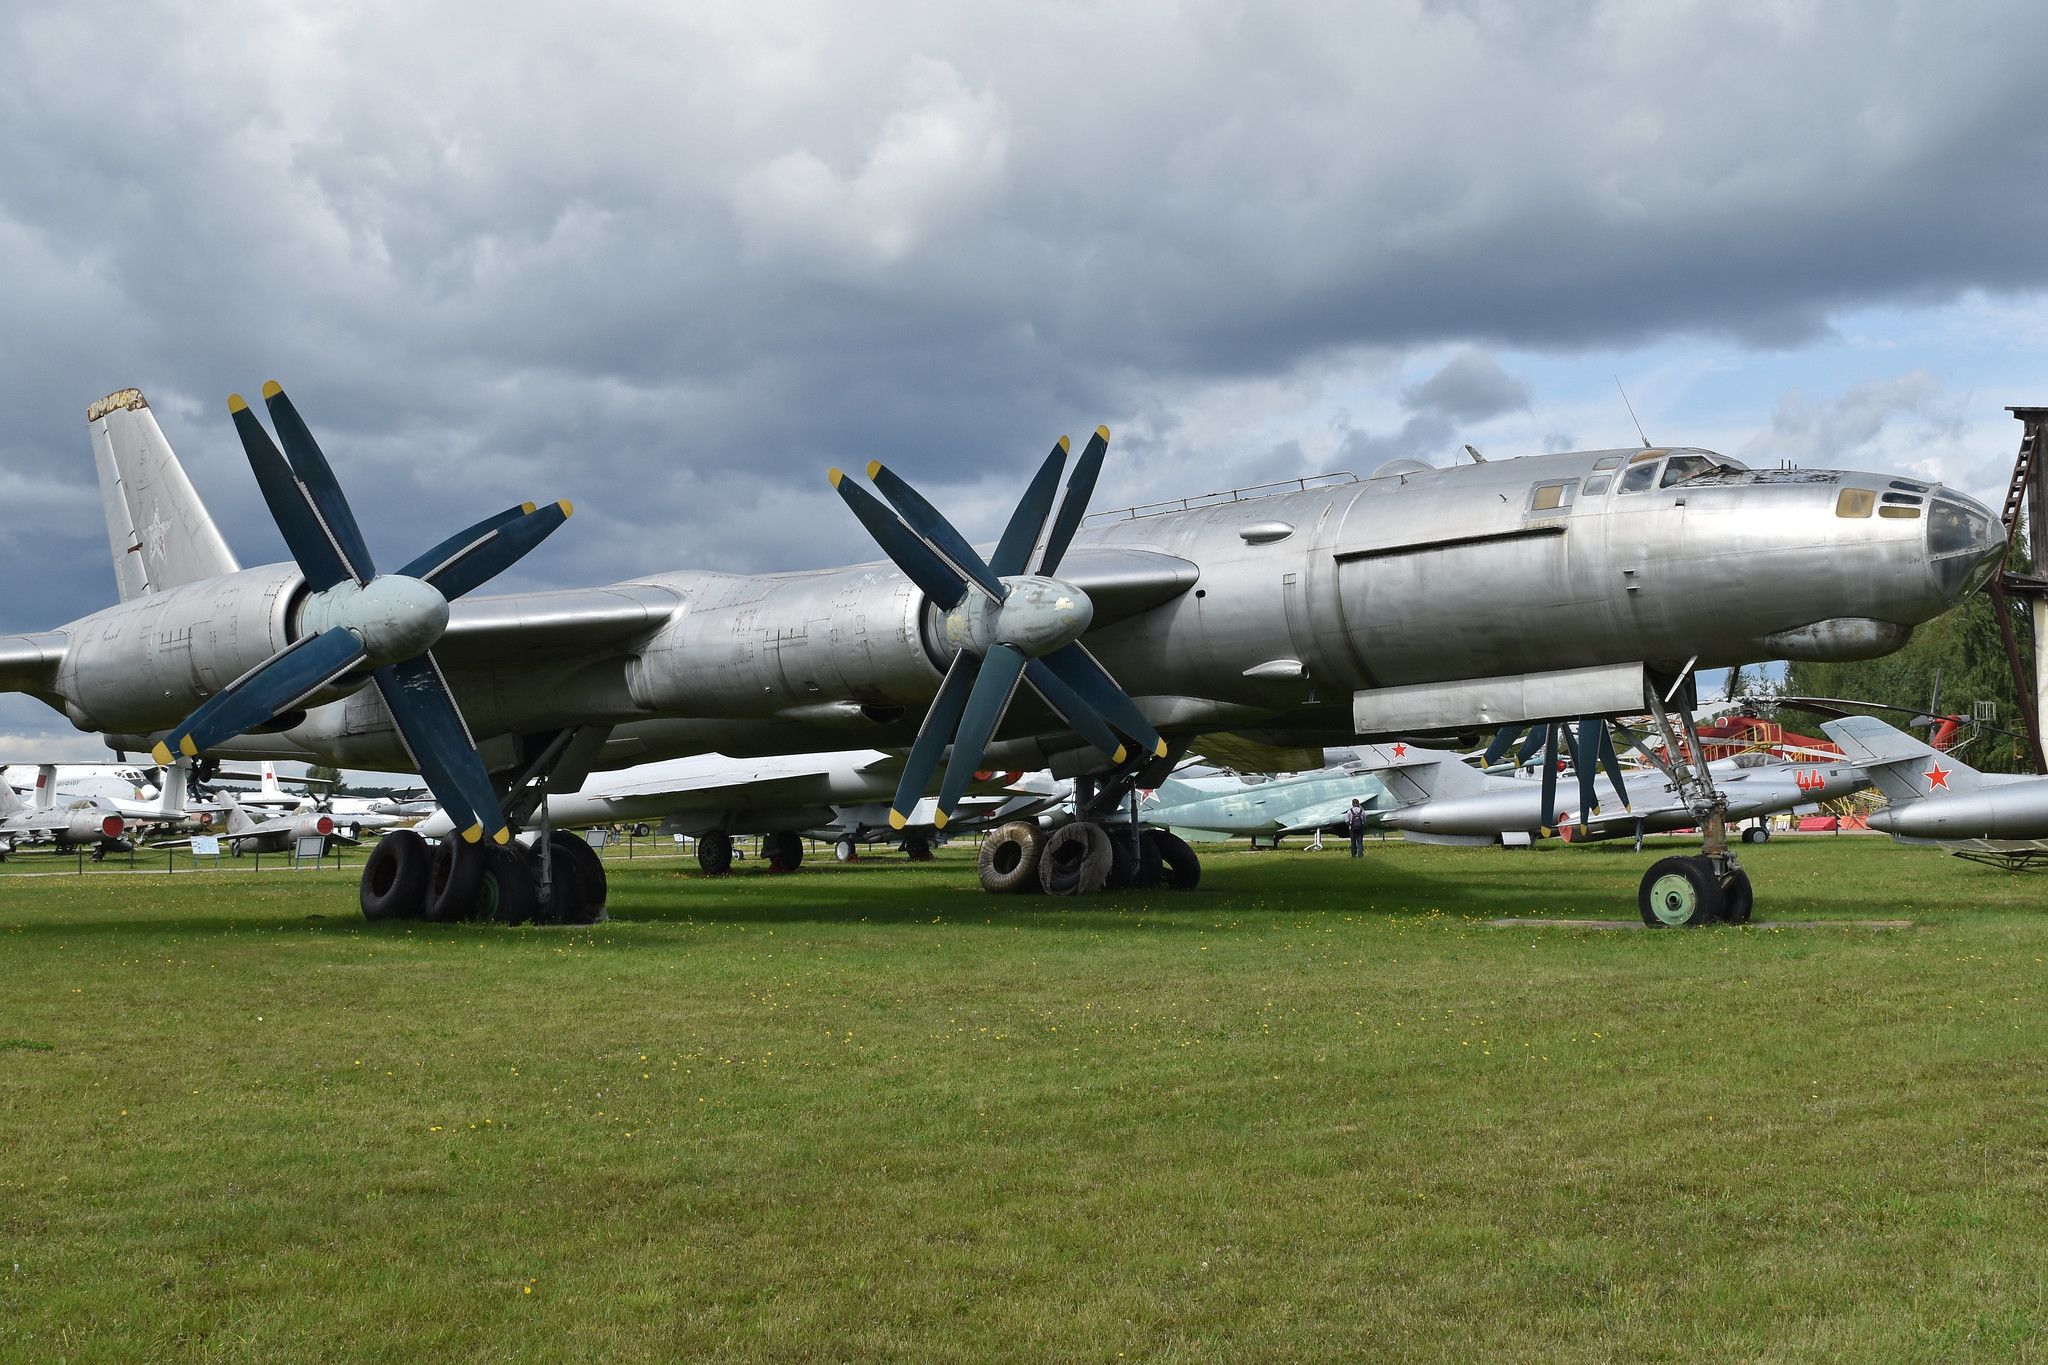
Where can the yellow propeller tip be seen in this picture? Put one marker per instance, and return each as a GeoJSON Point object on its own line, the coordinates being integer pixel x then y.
{"type": "Point", "coordinates": [271, 388]}
{"type": "Point", "coordinates": [1118, 756]}
{"type": "Point", "coordinates": [1102, 432]}
{"type": "Point", "coordinates": [237, 403]}
{"type": "Point", "coordinates": [874, 468]}
{"type": "Point", "coordinates": [473, 833]}
{"type": "Point", "coordinates": [503, 836]}
{"type": "Point", "coordinates": [835, 473]}
{"type": "Point", "coordinates": [187, 747]}
{"type": "Point", "coordinates": [897, 819]}
{"type": "Point", "coordinates": [161, 753]}
{"type": "Point", "coordinates": [568, 508]}
{"type": "Point", "coordinates": [939, 819]}
{"type": "Point", "coordinates": [526, 508]}
{"type": "Point", "coordinates": [1066, 446]}
{"type": "Point", "coordinates": [1159, 749]}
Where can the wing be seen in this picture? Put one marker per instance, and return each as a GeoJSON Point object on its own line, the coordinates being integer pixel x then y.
{"type": "Point", "coordinates": [552, 625]}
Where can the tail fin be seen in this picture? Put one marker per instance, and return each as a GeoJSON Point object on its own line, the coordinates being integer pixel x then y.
{"type": "Point", "coordinates": [238, 819]}
{"type": "Point", "coordinates": [157, 528]}
{"type": "Point", "coordinates": [171, 800]}
{"type": "Point", "coordinates": [1411, 774]}
{"type": "Point", "coordinates": [46, 786]}
{"type": "Point", "coordinates": [1903, 768]}
{"type": "Point", "coordinates": [269, 785]}
{"type": "Point", "coordinates": [10, 804]}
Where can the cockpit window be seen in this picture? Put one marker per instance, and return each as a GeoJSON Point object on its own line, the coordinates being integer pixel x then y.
{"type": "Point", "coordinates": [1598, 484]}
{"type": "Point", "coordinates": [1685, 468]}
{"type": "Point", "coordinates": [1854, 502]}
{"type": "Point", "coordinates": [1640, 478]}
{"type": "Point", "coordinates": [1608, 462]}
{"type": "Point", "coordinates": [1548, 497]}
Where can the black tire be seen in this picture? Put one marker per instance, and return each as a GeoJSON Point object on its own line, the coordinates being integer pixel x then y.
{"type": "Point", "coordinates": [394, 884]}
{"type": "Point", "coordinates": [1151, 870]}
{"type": "Point", "coordinates": [453, 873]}
{"type": "Point", "coordinates": [1679, 892]}
{"type": "Point", "coordinates": [714, 852]}
{"type": "Point", "coordinates": [784, 851]}
{"type": "Point", "coordinates": [1757, 834]}
{"type": "Point", "coordinates": [1737, 900]}
{"type": "Point", "coordinates": [590, 876]}
{"type": "Point", "coordinates": [641, 831]}
{"type": "Point", "coordinates": [509, 890]}
{"type": "Point", "coordinates": [917, 848]}
{"type": "Point", "coordinates": [846, 851]}
{"type": "Point", "coordinates": [563, 903]}
{"type": "Point", "coordinates": [1008, 861]}
{"type": "Point", "coordinates": [1075, 860]}
{"type": "Point", "coordinates": [1181, 870]}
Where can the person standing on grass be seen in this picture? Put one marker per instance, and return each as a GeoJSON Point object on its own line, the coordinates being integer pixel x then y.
{"type": "Point", "coordinates": [1354, 821]}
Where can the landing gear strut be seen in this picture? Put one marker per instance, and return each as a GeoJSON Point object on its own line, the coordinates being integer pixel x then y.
{"type": "Point", "coordinates": [1709, 887]}
{"type": "Point", "coordinates": [1107, 849]}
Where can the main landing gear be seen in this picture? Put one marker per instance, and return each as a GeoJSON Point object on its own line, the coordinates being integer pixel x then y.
{"type": "Point", "coordinates": [1709, 887]}
{"type": "Point", "coordinates": [454, 882]}
{"type": "Point", "coordinates": [1090, 854]}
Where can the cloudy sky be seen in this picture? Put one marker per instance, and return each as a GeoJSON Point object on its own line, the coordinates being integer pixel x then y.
{"type": "Point", "coordinates": [671, 261]}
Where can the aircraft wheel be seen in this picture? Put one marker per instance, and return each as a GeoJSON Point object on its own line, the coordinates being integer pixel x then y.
{"type": "Point", "coordinates": [1679, 891]}
{"type": "Point", "coordinates": [917, 848]}
{"type": "Point", "coordinates": [563, 903]}
{"type": "Point", "coordinates": [590, 877]}
{"type": "Point", "coordinates": [1757, 834]}
{"type": "Point", "coordinates": [509, 890]}
{"type": "Point", "coordinates": [714, 852]}
{"type": "Point", "coordinates": [394, 884]}
{"type": "Point", "coordinates": [784, 851]}
{"type": "Point", "coordinates": [1151, 869]}
{"type": "Point", "coordinates": [1737, 900]}
{"type": "Point", "coordinates": [454, 869]}
{"type": "Point", "coordinates": [1181, 870]}
{"type": "Point", "coordinates": [1075, 860]}
{"type": "Point", "coordinates": [846, 851]}
{"type": "Point", "coordinates": [1009, 858]}
{"type": "Point", "coordinates": [1123, 859]}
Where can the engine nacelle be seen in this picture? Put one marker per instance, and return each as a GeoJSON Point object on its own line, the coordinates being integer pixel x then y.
{"type": "Point", "coordinates": [145, 664]}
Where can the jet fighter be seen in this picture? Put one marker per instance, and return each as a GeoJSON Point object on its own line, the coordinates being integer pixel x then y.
{"type": "Point", "coordinates": [1936, 798]}
{"type": "Point", "coordinates": [66, 823]}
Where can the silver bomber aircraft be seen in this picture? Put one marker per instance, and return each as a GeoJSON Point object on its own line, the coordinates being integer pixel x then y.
{"type": "Point", "coordinates": [1416, 600]}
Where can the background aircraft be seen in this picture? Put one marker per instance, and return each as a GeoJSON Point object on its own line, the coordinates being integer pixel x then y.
{"type": "Point", "coordinates": [1262, 807]}
{"type": "Point", "coordinates": [244, 833]}
{"type": "Point", "coordinates": [713, 798]}
{"type": "Point", "coordinates": [66, 822]}
{"type": "Point", "coordinates": [1415, 600]}
{"type": "Point", "coordinates": [1756, 785]}
{"type": "Point", "coordinates": [1939, 799]}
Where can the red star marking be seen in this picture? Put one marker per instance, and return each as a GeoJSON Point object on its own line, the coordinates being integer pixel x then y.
{"type": "Point", "coordinates": [1400, 751]}
{"type": "Point", "coordinates": [1937, 776]}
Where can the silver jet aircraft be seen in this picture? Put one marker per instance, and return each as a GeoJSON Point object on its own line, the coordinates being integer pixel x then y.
{"type": "Point", "coordinates": [1755, 784]}
{"type": "Point", "coordinates": [1936, 798]}
{"type": "Point", "coordinates": [1412, 600]}
{"type": "Point", "coordinates": [66, 822]}
{"type": "Point", "coordinates": [1263, 807]}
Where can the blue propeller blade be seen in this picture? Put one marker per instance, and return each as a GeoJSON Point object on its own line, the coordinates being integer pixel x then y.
{"type": "Point", "coordinates": [933, 736]}
{"type": "Point", "coordinates": [1586, 758]}
{"type": "Point", "coordinates": [1020, 537]}
{"type": "Point", "coordinates": [493, 552]}
{"type": "Point", "coordinates": [317, 477]}
{"type": "Point", "coordinates": [1077, 668]}
{"type": "Point", "coordinates": [424, 564]}
{"type": "Point", "coordinates": [925, 520]}
{"type": "Point", "coordinates": [1612, 762]}
{"type": "Point", "coordinates": [1549, 777]}
{"type": "Point", "coordinates": [278, 684]}
{"type": "Point", "coordinates": [1530, 745]}
{"type": "Point", "coordinates": [1086, 720]}
{"type": "Point", "coordinates": [318, 556]}
{"type": "Point", "coordinates": [994, 685]}
{"type": "Point", "coordinates": [1074, 506]}
{"type": "Point", "coordinates": [910, 554]}
{"type": "Point", "coordinates": [440, 742]}
{"type": "Point", "coordinates": [1503, 740]}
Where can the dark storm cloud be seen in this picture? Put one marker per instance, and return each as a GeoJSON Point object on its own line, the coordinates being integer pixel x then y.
{"type": "Point", "coordinates": [671, 262]}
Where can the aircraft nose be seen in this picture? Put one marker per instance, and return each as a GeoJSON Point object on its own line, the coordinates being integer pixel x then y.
{"type": "Point", "coordinates": [1965, 543]}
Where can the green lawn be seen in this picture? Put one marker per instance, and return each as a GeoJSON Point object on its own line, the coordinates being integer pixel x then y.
{"type": "Point", "coordinates": [1316, 1109]}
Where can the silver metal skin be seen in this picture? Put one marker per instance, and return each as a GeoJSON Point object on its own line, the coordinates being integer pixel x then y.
{"type": "Point", "coordinates": [1038, 616]}
{"type": "Point", "coordinates": [1515, 804]}
{"type": "Point", "coordinates": [1263, 615]}
{"type": "Point", "coordinates": [394, 616]}
{"type": "Point", "coordinates": [1298, 803]}
{"type": "Point", "coordinates": [1938, 798]}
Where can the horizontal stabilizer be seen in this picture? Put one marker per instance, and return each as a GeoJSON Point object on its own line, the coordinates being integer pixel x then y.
{"type": "Point", "coordinates": [1904, 768]}
{"type": "Point", "coordinates": [29, 663]}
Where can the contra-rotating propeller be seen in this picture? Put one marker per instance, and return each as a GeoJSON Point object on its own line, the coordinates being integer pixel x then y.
{"type": "Point", "coordinates": [1591, 747]}
{"type": "Point", "coordinates": [1004, 624]}
{"type": "Point", "coordinates": [355, 617]}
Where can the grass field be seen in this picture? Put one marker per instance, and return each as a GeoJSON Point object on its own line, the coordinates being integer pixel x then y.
{"type": "Point", "coordinates": [1317, 1109]}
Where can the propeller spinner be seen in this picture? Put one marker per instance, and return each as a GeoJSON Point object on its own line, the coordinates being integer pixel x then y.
{"type": "Point", "coordinates": [356, 618]}
{"type": "Point", "coordinates": [1005, 625]}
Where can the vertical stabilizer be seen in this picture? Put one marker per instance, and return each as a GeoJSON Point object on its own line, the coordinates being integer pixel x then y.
{"type": "Point", "coordinates": [46, 786]}
{"type": "Point", "coordinates": [1903, 768]}
{"type": "Point", "coordinates": [1412, 775]}
{"type": "Point", "coordinates": [171, 800]}
{"type": "Point", "coordinates": [10, 804]}
{"type": "Point", "coordinates": [238, 819]}
{"type": "Point", "coordinates": [157, 528]}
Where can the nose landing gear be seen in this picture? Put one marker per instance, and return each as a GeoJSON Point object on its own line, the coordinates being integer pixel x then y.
{"type": "Point", "coordinates": [1709, 887]}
